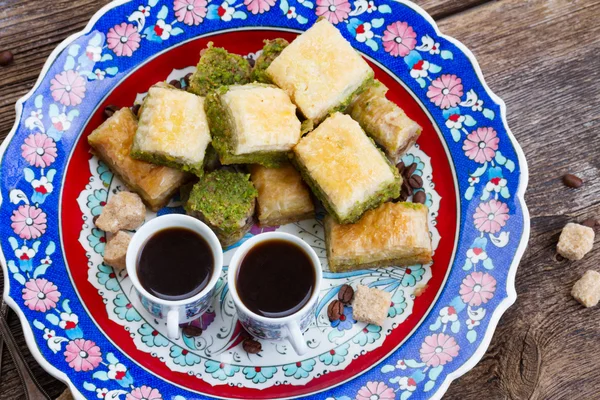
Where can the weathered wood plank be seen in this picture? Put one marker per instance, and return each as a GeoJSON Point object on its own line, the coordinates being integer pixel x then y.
{"type": "Point", "coordinates": [546, 345]}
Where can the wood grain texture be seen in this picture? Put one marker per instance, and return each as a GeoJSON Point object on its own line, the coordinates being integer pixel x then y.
{"type": "Point", "coordinates": [541, 57]}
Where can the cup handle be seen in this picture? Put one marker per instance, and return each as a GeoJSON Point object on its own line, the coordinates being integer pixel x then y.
{"type": "Point", "coordinates": [296, 338]}
{"type": "Point", "coordinates": [173, 323]}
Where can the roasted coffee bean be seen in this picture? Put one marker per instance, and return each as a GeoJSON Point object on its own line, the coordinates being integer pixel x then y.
{"type": "Point", "coordinates": [136, 109]}
{"type": "Point", "coordinates": [110, 110]}
{"type": "Point", "coordinates": [186, 79]}
{"type": "Point", "coordinates": [419, 197]}
{"type": "Point", "coordinates": [335, 310]}
{"type": "Point", "coordinates": [6, 57]}
{"type": "Point", "coordinates": [403, 194]}
{"type": "Point", "coordinates": [191, 331]}
{"type": "Point", "coordinates": [410, 169]}
{"type": "Point", "coordinates": [346, 294]}
{"type": "Point", "coordinates": [252, 346]}
{"type": "Point", "coordinates": [406, 187]}
{"type": "Point", "coordinates": [401, 167]}
{"type": "Point", "coordinates": [591, 222]}
{"type": "Point", "coordinates": [415, 182]}
{"type": "Point", "coordinates": [176, 83]}
{"type": "Point", "coordinates": [251, 61]}
{"type": "Point", "coordinates": [572, 181]}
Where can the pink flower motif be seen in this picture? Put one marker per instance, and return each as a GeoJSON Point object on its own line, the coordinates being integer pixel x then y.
{"type": "Point", "coordinates": [144, 393]}
{"type": "Point", "coordinates": [375, 390]}
{"type": "Point", "coordinates": [481, 145]}
{"type": "Point", "coordinates": [399, 39]}
{"type": "Point", "coordinates": [82, 355]}
{"type": "Point", "coordinates": [68, 88]}
{"type": "Point", "coordinates": [446, 91]}
{"type": "Point", "coordinates": [259, 6]}
{"type": "Point", "coordinates": [40, 294]}
{"type": "Point", "coordinates": [491, 216]}
{"type": "Point", "coordinates": [123, 39]}
{"type": "Point", "coordinates": [29, 222]}
{"type": "Point", "coordinates": [335, 11]}
{"type": "Point", "coordinates": [477, 288]}
{"type": "Point", "coordinates": [438, 349]}
{"type": "Point", "coordinates": [39, 150]}
{"type": "Point", "coordinates": [190, 12]}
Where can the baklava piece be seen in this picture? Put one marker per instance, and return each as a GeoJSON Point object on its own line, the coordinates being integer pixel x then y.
{"type": "Point", "coordinates": [320, 71]}
{"type": "Point", "coordinates": [112, 141]}
{"type": "Point", "coordinates": [225, 201]}
{"type": "Point", "coordinates": [252, 124]}
{"type": "Point", "coordinates": [384, 121]}
{"type": "Point", "coordinates": [172, 130]}
{"type": "Point", "coordinates": [270, 51]}
{"type": "Point", "coordinates": [282, 195]}
{"type": "Point", "coordinates": [395, 234]}
{"type": "Point", "coordinates": [345, 169]}
{"type": "Point", "coordinates": [217, 67]}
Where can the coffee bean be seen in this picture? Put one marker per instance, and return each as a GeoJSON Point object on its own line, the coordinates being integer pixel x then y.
{"type": "Point", "coordinates": [411, 169]}
{"type": "Point", "coordinates": [252, 346]}
{"type": "Point", "coordinates": [335, 310]}
{"type": "Point", "coordinates": [403, 194]}
{"type": "Point", "coordinates": [251, 61]}
{"type": "Point", "coordinates": [191, 331]}
{"type": "Point", "coordinates": [591, 222]}
{"type": "Point", "coordinates": [186, 79]}
{"type": "Point", "coordinates": [419, 197]}
{"type": "Point", "coordinates": [415, 182]}
{"type": "Point", "coordinates": [110, 110]}
{"type": "Point", "coordinates": [572, 181]}
{"type": "Point", "coordinates": [401, 167]}
{"type": "Point", "coordinates": [346, 294]}
{"type": "Point", "coordinates": [176, 83]}
{"type": "Point", "coordinates": [95, 219]}
{"type": "Point", "coordinates": [136, 109]}
{"type": "Point", "coordinates": [6, 57]}
{"type": "Point", "coordinates": [406, 187]}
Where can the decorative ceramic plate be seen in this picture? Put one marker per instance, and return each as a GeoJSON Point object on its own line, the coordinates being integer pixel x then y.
{"type": "Point", "coordinates": [80, 318]}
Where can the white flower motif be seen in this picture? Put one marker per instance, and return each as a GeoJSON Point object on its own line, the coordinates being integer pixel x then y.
{"type": "Point", "coordinates": [478, 106]}
{"type": "Point", "coordinates": [291, 13]}
{"type": "Point", "coordinates": [448, 314]}
{"type": "Point", "coordinates": [401, 364]}
{"type": "Point", "coordinates": [226, 11]}
{"type": "Point", "coordinates": [496, 184]}
{"type": "Point", "coordinates": [68, 320]}
{"type": "Point", "coordinates": [420, 69]}
{"type": "Point", "coordinates": [101, 392]}
{"type": "Point", "coordinates": [364, 32]}
{"type": "Point", "coordinates": [37, 114]}
{"type": "Point", "coordinates": [94, 53]}
{"type": "Point", "coordinates": [407, 383]}
{"type": "Point", "coordinates": [25, 253]}
{"type": "Point", "coordinates": [162, 29]}
{"type": "Point", "coordinates": [455, 121]}
{"type": "Point", "coordinates": [476, 254]}
{"type": "Point", "coordinates": [471, 323]}
{"type": "Point", "coordinates": [473, 180]}
{"type": "Point", "coordinates": [371, 7]}
{"type": "Point", "coordinates": [99, 74]}
{"type": "Point", "coordinates": [430, 45]}
{"type": "Point", "coordinates": [473, 101]}
{"type": "Point", "coordinates": [117, 371]}
{"type": "Point", "coordinates": [48, 334]}
{"type": "Point", "coordinates": [42, 185]}
{"type": "Point", "coordinates": [61, 122]}
{"type": "Point", "coordinates": [46, 260]}
{"type": "Point", "coordinates": [145, 10]}
{"type": "Point", "coordinates": [475, 316]}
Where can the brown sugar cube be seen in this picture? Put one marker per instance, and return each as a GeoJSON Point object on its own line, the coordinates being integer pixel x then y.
{"type": "Point", "coordinates": [125, 210]}
{"type": "Point", "coordinates": [587, 289]}
{"type": "Point", "coordinates": [116, 250]}
{"type": "Point", "coordinates": [371, 305]}
{"type": "Point", "coordinates": [575, 241]}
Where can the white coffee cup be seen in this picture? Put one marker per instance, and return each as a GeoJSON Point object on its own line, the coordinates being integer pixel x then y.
{"type": "Point", "coordinates": [290, 327]}
{"type": "Point", "coordinates": [180, 311]}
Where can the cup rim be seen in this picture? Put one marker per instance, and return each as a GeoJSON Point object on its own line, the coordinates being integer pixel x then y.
{"type": "Point", "coordinates": [173, 221]}
{"type": "Point", "coordinates": [239, 256]}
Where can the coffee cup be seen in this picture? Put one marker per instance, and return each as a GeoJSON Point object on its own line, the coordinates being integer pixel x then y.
{"type": "Point", "coordinates": [290, 327]}
{"type": "Point", "coordinates": [182, 310]}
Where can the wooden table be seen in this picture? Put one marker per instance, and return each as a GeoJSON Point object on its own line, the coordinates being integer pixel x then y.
{"type": "Point", "coordinates": [542, 58]}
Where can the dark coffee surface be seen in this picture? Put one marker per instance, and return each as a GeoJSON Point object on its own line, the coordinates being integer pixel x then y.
{"type": "Point", "coordinates": [175, 264]}
{"type": "Point", "coordinates": [276, 278]}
